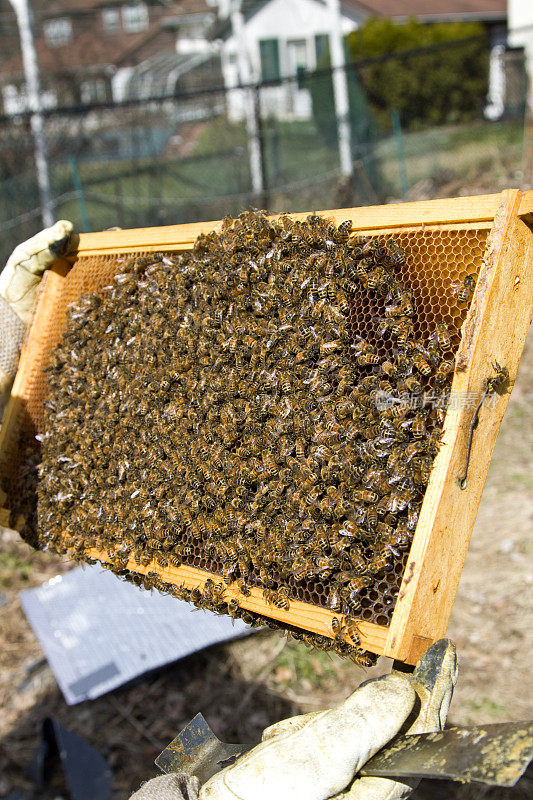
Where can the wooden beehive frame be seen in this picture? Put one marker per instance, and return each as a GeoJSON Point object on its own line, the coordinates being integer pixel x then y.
{"type": "Point", "coordinates": [494, 331]}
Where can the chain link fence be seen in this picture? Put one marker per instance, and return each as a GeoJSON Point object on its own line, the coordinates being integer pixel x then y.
{"type": "Point", "coordinates": [275, 145]}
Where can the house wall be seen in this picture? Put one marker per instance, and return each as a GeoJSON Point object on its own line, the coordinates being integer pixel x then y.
{"type": "Point", "coordinates": [288, 21]}
{"type": "Point", "coordinates": [97, 62]}
{"type": "Point", "coordinates": [520, 24]}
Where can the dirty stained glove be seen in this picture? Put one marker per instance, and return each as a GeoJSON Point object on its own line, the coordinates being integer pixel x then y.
{"type": "Point", "coordinates": [19, 283]}
{"type": "Point", "coordinates": [176, 786]}
{"type": "Point", "coordinates": [433, 681]}
{"type": "Point", "coordinates": [317, 756]}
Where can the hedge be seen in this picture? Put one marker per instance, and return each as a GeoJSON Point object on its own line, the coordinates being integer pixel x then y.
{"type": "Point", "coordinates": [436, 74]}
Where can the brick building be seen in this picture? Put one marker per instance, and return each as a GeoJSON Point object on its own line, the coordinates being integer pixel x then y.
{"type": "Point", "coordinates": [99, 50]}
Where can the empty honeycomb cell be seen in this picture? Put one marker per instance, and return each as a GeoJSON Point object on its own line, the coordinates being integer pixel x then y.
{"type": "Point", "coordinates": [433, 268]}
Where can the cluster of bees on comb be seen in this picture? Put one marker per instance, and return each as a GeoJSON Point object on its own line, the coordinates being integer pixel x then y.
{"type": "Point", "coordinates": [221, 408]}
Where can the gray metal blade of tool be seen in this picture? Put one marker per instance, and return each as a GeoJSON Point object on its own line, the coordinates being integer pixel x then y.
{"type": "Point", "coordinates": [494, 754]}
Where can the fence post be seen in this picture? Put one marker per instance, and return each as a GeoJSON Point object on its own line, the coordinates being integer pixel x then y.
{"type": "Point", "coordinates": [274, 150]}
{"type": "Point", "coordinates": [398, 135]}
{"type": "Point", "coordinates": [25, 24]}
{"type": "Point", "coordinates": [78, 188]}
{"type": "Point", "coordinates": [250, 111]}
{"type": "Point", "coordinates": [340, 89]}
{"type": "Point", "coordinates": [265, 200]}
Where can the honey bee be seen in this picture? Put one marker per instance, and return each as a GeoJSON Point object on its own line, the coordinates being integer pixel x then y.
{"type": "Point", "coordinates": [499, 381]}
{"type": "Point", "coordinates": [445, 368]}
{"type": "Point", "coordinates": [401, 536]}
{"type": "Point", "coordinates": [421, 364]}
{"type": "Point", "coordinates": [233, 608]}
{"type": "Point", "coordinates": [343, 231]}
{"type": "Point", "coordinates": [389, 369]}
{"type": "Point", "coordinates": [441, 336]}
{"type": "Point", "coordinates": [213, 592]}
{"type": "Point", "coordinates": [196, 595]}
{"type": "Point", "coordinates": [321, 453]}
{"type": "Point", "coordinates": [401, 307]}
{"type": "Point", "coordinates": [418, 426]}
{"type": "Point", "coordinates": [281, 598]}
{"type": "Point", "coordinates": [372, 517]}
{"type": "Point", "coordinates": [465, 289]}
{"type": "Point", "coordinates": [368, 359]}
{"type": "Point", "coordinates": [249, 618]}
{"type": "Point", "coordinates": [153, 544]}
{"type": "Point", "coordinates": [243, 587]}
{"type": "Point", "coordinates": [336, 627]}
{"type": "Point", "coordinates": [378, 563]}
{"type": "Point", "coordinates": [285, 384]}
{"type": "Point", "coordinates": [351, 630]}
{"type": "Point", "coordinates": [412, 450]}
{"type": "Point", "coordinates": [300, 570]}
{"type": "Point", "coordinates": [334, 601]}
{"type": "Point", "coordinates": [365, 496]}
{"type": "Point", "coordinates": [395, 252]}
{"type": "Point", "coordinates": [398, 501]}
{"type": "Point", "coordinates": [269, 596]}
{"type": "Point", "coordinates": [342, 302]}
{"type": "Point", "coordinates": [347, 629]}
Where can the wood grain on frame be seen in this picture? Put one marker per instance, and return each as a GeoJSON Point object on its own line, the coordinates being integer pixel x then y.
{"type": "Point", "coordinates": [475, 211]}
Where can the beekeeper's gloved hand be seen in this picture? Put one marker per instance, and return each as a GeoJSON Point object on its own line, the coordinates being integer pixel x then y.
{"type": "Point", "coordinates": [19, 283]}
{"type": "Point", "coordinates": [317, 756]}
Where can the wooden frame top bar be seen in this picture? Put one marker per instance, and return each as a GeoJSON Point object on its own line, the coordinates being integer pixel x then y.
{"type": "Point", "coordinates": [478, 211]}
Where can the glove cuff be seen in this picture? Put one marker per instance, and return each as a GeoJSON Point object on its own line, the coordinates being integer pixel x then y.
{"type": "Point", "coordinates": [12, 330]}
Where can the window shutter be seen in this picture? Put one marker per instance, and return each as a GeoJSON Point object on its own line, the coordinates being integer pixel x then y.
{"type": "Point", "coordinates": [321, 48]}
{"type": "Point", "coordinates": [269, 50]}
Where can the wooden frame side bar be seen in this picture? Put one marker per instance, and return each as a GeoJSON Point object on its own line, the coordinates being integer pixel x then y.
{"type": "Point", "coordinates": [471, 210]}
{"type": "Point", "coordinates": [495, 331]}
{"type": "Point", "coordinates": [31, 353]}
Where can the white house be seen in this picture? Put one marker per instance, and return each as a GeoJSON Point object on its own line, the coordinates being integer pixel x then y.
{"type": "Point", "coordinates": [270, 39]}
{"type": "Point", "coordinates": [280, 38]}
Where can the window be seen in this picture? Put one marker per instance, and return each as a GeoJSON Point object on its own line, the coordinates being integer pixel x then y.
{"type": "Point", "coordinates": [269, 52]}
{"type": "Point", "coordinates": [93, 91]}
{"type": "Point", "coordinates": [111, 19]}
{"type": "Point", "coordinates": [135, 17]}
{"type": "Point", "coordinates": [58, 32]}
{"type": "Point", "coordinates": [297, 56]}
{"type": "Point", "coordinates": [321, 49]}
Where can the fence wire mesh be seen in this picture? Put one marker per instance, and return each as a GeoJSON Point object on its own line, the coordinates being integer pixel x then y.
{"type": "Point", "coordinates": [199, 156]}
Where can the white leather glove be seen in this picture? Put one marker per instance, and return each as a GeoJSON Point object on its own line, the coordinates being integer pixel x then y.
{"type": "Point", "coordinates": [176, 786]}
{"type": "Point", "coordinates": [317, 756]}
{"type": "Point", "coordinates": [19, 283]}
{"type": "Point", "coordinates": [433, 681]}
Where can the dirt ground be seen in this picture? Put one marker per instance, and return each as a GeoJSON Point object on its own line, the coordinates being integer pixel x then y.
{"type": "Point", "coordinates": [247, 685]}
